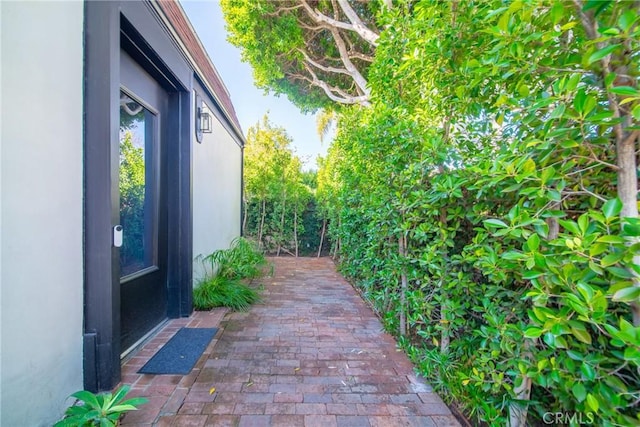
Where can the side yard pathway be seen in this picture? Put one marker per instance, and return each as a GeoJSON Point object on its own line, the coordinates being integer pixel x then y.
{"type": "Point", "coordinates": [312, 354]}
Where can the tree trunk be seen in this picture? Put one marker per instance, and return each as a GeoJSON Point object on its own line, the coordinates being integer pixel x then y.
{"type": "Point", "coordinates": [628, 194]}
{"type": "Point", "coordinates": [324, 227]}
{"type": "Point", "coordinates": [625, 140]}
{"type": "Point", "coordinates": [261, 228]}
{"type": "Point", "coordinates": [338, 241]}
{"type": "Point", "coordinates": [402, 250]}
{"type": "Point", "coordinates": [444, 322]}
{"type": "Point", "coordinates": [244, 218]}
{"type": "Point", "coordinates": [284, 206]}
{"type": "Point", "coordinates": [518, 412]}
{"type": "Point", "coordinates": [445, 340]}
{"type": "Point", "coordinates": [295, 229]}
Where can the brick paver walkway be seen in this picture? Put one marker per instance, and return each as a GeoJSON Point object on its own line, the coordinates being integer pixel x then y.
{"type": "Point", "coordinates": [312, 354]}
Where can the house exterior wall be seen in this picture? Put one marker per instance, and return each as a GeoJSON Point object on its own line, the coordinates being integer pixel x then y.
{"type": "Point", "coordinates": [41, 211]}
{"type": "Point", "coordinates": [217, 183]}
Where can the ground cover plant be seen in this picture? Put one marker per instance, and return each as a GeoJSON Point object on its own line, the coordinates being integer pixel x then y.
{"type": "Point", "coordinates": [103, 410]}
{"type": "Point", "coordinates": [228, 277]}
{"type": "Point", "coordinates": [482, 188]}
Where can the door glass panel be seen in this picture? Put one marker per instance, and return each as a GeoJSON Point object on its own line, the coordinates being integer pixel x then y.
{"type": "Point", "coordinates": [137, 184]}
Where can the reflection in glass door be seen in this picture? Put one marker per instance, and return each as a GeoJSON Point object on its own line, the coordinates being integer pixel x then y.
{"type": "Point", "coordinates": [137, 185]}
{"type": "Point", "coordinates": [141, 184]}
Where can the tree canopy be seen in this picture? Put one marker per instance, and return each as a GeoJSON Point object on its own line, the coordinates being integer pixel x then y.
{"type": "Point", "coordinates": [316, 52]}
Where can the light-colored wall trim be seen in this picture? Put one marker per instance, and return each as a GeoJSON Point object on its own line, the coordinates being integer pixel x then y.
{"type": "Point", "coordinates": [41, 210]}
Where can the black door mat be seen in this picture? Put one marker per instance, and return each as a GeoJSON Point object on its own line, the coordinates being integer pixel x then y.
{"type": "Point", "coordinates": [180, 353]}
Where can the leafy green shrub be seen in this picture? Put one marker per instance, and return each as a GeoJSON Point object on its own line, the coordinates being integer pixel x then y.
{"type": "Point", "coordinates": [241, 261]}
{"type": "Point", "coordinates": [102, 410]}
{"type": "Point", "coordinates": [225, 269]}
{"type": "Point", "coordinates": [218, 291]}
{"type": "Point", "coordinates": [486, 202]}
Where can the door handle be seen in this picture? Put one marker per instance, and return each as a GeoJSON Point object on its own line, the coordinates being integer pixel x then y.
{"type": "Point", "coordinates": [117, 236]}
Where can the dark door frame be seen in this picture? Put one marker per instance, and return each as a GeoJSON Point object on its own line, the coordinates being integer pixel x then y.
{"type": "Point", "coordinates": [134, 26]}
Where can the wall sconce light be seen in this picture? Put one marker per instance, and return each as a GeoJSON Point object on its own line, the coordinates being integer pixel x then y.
{"type": "Point", "coordinates": [203, 120]}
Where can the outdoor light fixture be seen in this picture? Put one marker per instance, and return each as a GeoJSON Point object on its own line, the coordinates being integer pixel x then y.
{"type": "Point", "coordinates": [203, 120]}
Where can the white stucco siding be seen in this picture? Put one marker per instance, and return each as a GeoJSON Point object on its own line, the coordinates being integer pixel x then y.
{"type": "Point", "coordinates": [41, 212]}
{"type": "Point", "coordinates": [217, 180]}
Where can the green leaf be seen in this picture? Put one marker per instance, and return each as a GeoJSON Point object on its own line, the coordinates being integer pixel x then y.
{"type": "Point", "coordinates": [532, 332]}
{"type": "Point", "coordinates": [574, 355]}
{"type": "Point", "coordinates": [626, 20]}
{"type": "Point", "coordinates": [531, 274]}
{"type": "Point", "coordinates": [632, 354]}
{"type": "Point", "coordinates": [581, 335]}
{"type": "Point", "coordinates": [612, 208]}
{"type": "Point", "coordinates": [631, 227]}
{"type": "Point", "coordinates": [557, 12]}
{"type": "Point", "coordinates": [87, 397]}
{"type": "Point", "coordinates": [611, 31]}
{"type": "Point", "coordinates": [513, 255]}
{"type": "Point", "coordinates": [592, 402]}
{"type": "Point", "coordinates": [572, 84]}
{"type": "Point", "coordinates": [529, 166]}
{"type": "Point", "coordinates": [105, 422]}
{"type": "Point", "coordinates": [625, 91]}
{"type": "Point", "coordinates": [611, 259]}
{"type": "Point", "coordinates": [579, 391]}
{"type": "Point", "coordinates": [620, 272]}
{"type": "Point", "coordinates": [555, 195]}
{"type": "Point", "coordinates": [503, 22]}
{"type": "Point", "coordinates": [123, 408]}
{"type": "Point", "coordinates": [494, 223]}
{"type": "Point", "coordinates": [533, 242]}
{"type": "Point", "coordinates": [547, 174]}
{"type": "Point", "coordinates": [569, 226]}
{"type": "Point", "coordinates": [136, 401]}
{"type": "Point", "coordinates": [67, 422]}
{"type": "Point", "coordinates": [598, 5]}
{"type": "Point", "coordinates": [616, 384]}
{"type": "Point", "coordinates": [586, 291]}
{"type": "Point", "coordinates": [630, 294]}
{"type": "Point", "coordinates": [611, 239]}
{"type": "Point", "coordinates": [599, 54]}
{"type": "Point", "coordinates": [578, 101]}
{"type": "Point", "coordinates": [595, 268]}
{"type": "Point", "coordinates": [557, 112]}
{"type": "Point", "coordinates": [120, 394]}
{"type": "Point", "coordinates": [588, 372]}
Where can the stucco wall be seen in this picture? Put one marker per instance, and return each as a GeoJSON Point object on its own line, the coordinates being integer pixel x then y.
{"type": "Point", "coordinates": [41, 212]}
{"type": "Point", "coordinates": [217, 181]}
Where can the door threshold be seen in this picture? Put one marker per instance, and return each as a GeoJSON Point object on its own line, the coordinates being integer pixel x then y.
{"type": "Point", "coordinates": [128, 353]}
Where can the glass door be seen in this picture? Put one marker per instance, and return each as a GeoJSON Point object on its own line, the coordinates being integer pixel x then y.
{"type": "Point", "coordinates": [142, 189]}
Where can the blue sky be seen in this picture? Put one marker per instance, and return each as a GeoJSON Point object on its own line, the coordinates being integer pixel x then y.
{"type": "Point", "coordinates": [251, 103]}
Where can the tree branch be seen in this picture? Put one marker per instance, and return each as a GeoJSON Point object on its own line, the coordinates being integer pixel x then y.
{"type": "Point", "coordinates": [323, 67]}
{"type": "Point", "coordinates": [362, 56]}
{"type": "Point", "coordinates": [283, 9]}
{"type": "Point", "coordinates": [344, 98]}
{"type": "Point", "coordinates": [359, 27]}
{"type": "Point", "coordinates": [369, 36]}
{"type": "Point", "coordinates": [359, 80]}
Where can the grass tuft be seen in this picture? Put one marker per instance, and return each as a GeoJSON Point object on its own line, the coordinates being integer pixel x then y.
{"type": "Point", "coordinates": [226, 269]}
{"type": "Point", "coordinates": [220, 291]}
